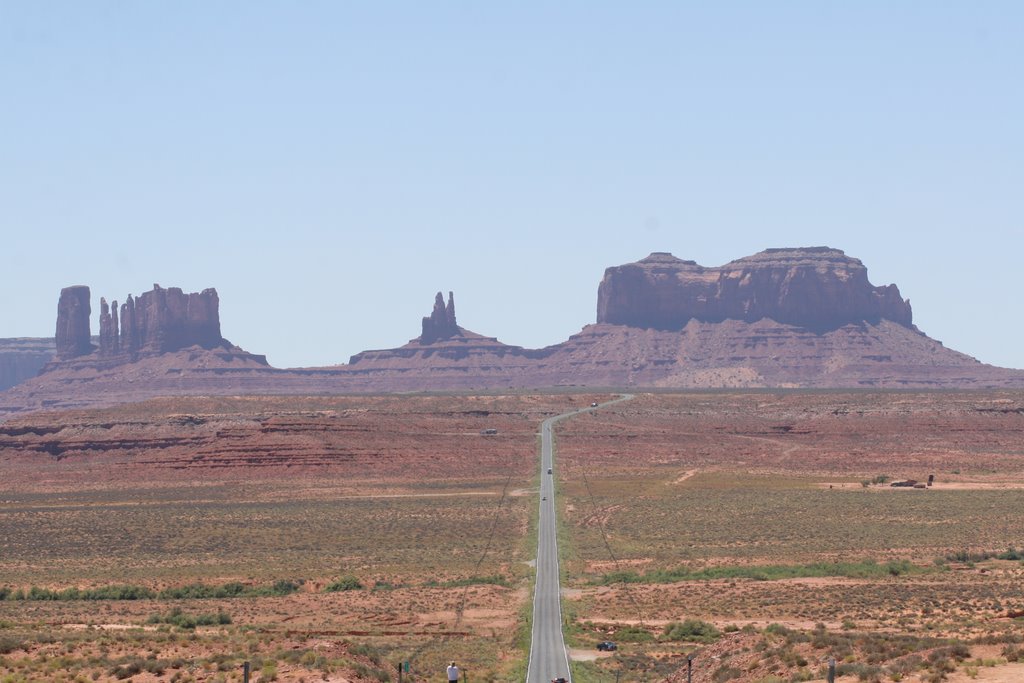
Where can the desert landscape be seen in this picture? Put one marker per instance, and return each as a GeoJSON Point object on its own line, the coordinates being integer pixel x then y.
{"type": "Point", "coordinates": [331, 538]}
{"type": "Point", "coordinates": [408, 342]}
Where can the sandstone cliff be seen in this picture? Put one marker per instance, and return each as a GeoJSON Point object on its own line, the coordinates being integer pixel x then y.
{"type": "Point", "coordinates": [784, 318]}
{"type": "Point", "coordinates": [159, 321]}
{"type": "Point", "coordinates": [816, 288]}
{"type": "Point", "coordinates": [22, 358]}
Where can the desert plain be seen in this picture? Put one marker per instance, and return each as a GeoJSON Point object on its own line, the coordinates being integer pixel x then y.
{"type": "Point", "coordinates": [332, 538]}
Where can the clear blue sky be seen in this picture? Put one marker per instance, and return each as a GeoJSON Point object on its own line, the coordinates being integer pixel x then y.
{"type": "Point", "coordinates": [329, 166]}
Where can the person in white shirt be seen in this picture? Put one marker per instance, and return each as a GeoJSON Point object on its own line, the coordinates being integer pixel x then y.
{"type": "Point", "coordinates": [453, 673]}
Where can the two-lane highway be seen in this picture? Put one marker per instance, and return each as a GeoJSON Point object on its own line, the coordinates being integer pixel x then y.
{"type": "Point", "coordinates": [548, 657]}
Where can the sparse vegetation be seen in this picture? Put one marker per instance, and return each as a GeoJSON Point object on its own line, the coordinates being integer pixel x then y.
{"type": "Point", "coordinates": [863, 569]}
{"type": "Point", "coordinates": [496, 580]}
{"type": "Point", "coordinates": [178, 617]}
{"type": "Point", "coordinates": [345, 583]}
{"type": "Point", "coordinates": [703, 521]}
{"type": "Point", "coordinates": [691, 630]}
{"type": "Point", "coordinates": [195, 591]}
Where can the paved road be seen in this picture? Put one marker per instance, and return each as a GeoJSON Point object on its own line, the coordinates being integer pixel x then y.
{"type": "Point", "coordinates": [548, 657]}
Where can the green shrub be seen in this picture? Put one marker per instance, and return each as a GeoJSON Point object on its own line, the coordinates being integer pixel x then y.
{"type": "Point", "coordinates": [691, 630]}
{"type": "Point", "coordinates": [177, 617]}
{"type": "Point", "coordinates": [633, 634]}
{"type": "Point", "coordinates": [9, 644]}
{"type": "Point", "coordinates": [858, 570]}
{"type": "Point", "coordinates": [345, 583]}
{"type": "Point", "coordinates": [233, 589]}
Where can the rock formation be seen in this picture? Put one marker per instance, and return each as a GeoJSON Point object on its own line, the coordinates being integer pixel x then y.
{"type": "Point", "coordinates": [816, 288]}
{"type": "Point", "coordinates": [441, 323]}
{"type": "Point", "coordinates": [160, 321]}
{"type": "Point", "coordinates": [109, 343]}
{"type": "Point", "coordinates": [785, 318]}
{"type": "Point", "coordinates": [22, 358]}
{"type": "Point", "coordinates": [73, 337]}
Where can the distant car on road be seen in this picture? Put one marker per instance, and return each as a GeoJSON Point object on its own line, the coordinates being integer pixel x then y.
{"type": "Point", "coordinates": [607, 646]}
{"type": "Point", "coordinates": [558, 680]}
{"type": "Point", "coordinates": [594, 404]}
{"type": "Point", "coordinates": [543, 497]}
{"type": "Point", "coordinates": [549, 470]}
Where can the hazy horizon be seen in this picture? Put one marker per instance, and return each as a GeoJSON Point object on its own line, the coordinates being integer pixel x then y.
{"type": "Point", "coordinates": [329, 167]}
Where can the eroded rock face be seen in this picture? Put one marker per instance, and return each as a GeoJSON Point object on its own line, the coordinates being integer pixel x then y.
{"type": "Point", "coordinates": [158, 321]}
{"type": "Point", "coordinates": [161, 321]}
{"type": "Point", "coordinates": [73, 337]}
{"type": "Point", "coordinates": [817, 288]}
{"type": "Point", "coordinates": [22, 358]}
{"type": "Point", "coordinates": [441, 322]}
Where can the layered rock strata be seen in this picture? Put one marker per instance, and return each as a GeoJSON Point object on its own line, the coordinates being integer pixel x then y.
{"type": "Point", "coordinates": [784, 318]}
{"type": "Point", "coordinates": [817, 288]}
{"type": "Point", "coordinates": [159, 321]}
{"type": "Point", "coordinates": [22, 358]}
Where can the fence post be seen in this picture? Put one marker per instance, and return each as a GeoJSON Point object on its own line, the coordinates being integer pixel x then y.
{"type": "Point", "coordinates": [245, 672]}
{"type": "Point", "coordinates": [689, 668]}
{"type": "Point", "coordinates": [831, 670]}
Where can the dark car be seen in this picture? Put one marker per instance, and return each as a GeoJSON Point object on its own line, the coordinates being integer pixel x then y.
{"type": "Point", "coordinates": [607, 646]}
{"type": "Point", "coordinates": [558, 680]}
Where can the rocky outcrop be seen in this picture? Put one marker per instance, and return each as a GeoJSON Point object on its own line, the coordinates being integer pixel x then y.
{"type": "Point", "coordinates": [816, 288]}
{"type": "Point", "coordinates": [73, 337]}
{"type": "Point", "coordinates": [22, 358]}
{"type": "Point", "coordinates": [109, 338]}
{"type": "Point", "coordinates": [442, 347]}
{"type": "Point", "coordinates": [440, 324]}
{"type": "Point", "coordinates": [784, 318]}
{"type": "Point", "coordinates": [161, 321]}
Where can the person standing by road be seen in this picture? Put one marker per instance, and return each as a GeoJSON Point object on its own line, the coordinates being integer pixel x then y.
{"type": "Point", "coordinates": [453, 673]}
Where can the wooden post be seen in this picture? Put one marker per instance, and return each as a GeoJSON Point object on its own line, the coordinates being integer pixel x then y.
{"type": "Point", "coordinates": [399, 672]}
{"type": "Point", "coordinates": [689, 668]}
{"type": "Point", "coordinates": [831, 670]}
{"type": "Point", "coordinates": [245, 672]}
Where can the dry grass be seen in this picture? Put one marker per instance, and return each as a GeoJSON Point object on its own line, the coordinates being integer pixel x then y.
{"type": "Point", "coordinates": [404, 495]}
{"type": "Point", "coordinates": [765, 485]}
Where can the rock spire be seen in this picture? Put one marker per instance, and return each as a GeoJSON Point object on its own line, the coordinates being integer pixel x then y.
{"type": "Point", "coordinates": [440, 324]}
{"type": "Point", "coordinates": [73, 337]}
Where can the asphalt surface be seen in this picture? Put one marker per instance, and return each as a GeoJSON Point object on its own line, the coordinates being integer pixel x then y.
{"type": "Point", "coordinates": [549, 658]}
